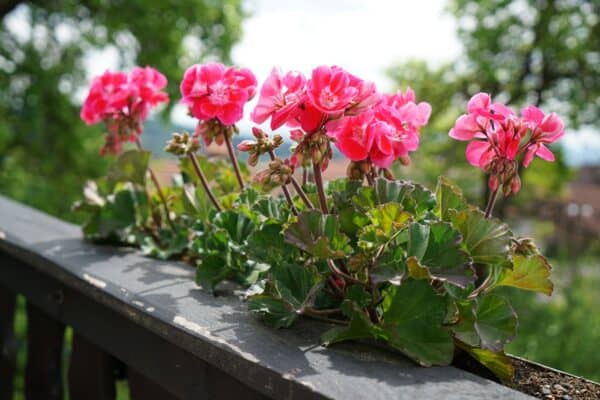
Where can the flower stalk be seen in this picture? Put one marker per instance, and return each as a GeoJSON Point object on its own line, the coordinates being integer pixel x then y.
{"type": "Point", "coordinates": [234, 161]}
{"type": "Point", "coordinates": [158, 188]}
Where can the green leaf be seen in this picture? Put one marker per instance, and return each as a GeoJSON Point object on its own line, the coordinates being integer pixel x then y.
{"type": "Point", "coordinates": [449, 197]}
{"type": "Point", "coordinates": [497, 362]}
{"type": "Point", "coordinates": [211, 270]}
{"type": "Point", "coordinates": [390, 266]}
{"type": "Point", "coordinates": [274, 312]}
{"type": "Point", "coordinates": [413, 314]}
{"type": "Point", "coordinates": [387, 219]}
{"type": "Point", "coordinates": [385, 191]}
{"type": "Point", "coordinates": [265, 245]}
{"type": "Point", "coordinates": [464, 328]}
{"type": "Point", "coordinates": [295, 283]}
{"type": "Point", "coordinates": [318, 235]}
{"type": "Point", "coordinates": [131, 166]}
{"type": "Point", "coordinates": [172, 244]}
{"type": "Point", "coordinates": [437, 254]}
{"type": "Point", "coordinates": [528, 273]}
{"type": "Point", "coordinates": [486, 239]}
{"type": "Point", "coordinates": [495, 322]}
{"type": "Point", "coordinates": [420, 201]}
{"type": "Point", "coordinates": [237, 225]}
{"type": "Point", "coordinates": [358, 295]}
{"type": "Point", "coordinates": [360, 327]}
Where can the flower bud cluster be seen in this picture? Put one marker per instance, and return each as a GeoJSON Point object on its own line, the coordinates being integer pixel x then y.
{"type": "Point", "coordinates": [262, 145]}
{"type": "Point", "coordinates": [214, 130]}
{"type": "Point", "coordinates": [278, 173]}
{"type": "Point", "coordinates": [182, 144]}
{"type": "Point", "coordinates": [315, 148]}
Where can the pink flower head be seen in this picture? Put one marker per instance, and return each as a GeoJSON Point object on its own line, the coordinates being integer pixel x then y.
{"type": "Point", "coordinates": [123, 103]}
{"type": "Point", "coordinates": [109, 93]}
{"type": "Point", "coordinates": [214, 91]}
{"type": "Point", "coordinates": [279, 98]}
{"type": "Point", "coordinates": [500, 144]}
{"type": "Point", "coordinates": [366, 96]}
{"type": "Point", "coordinates": [481, 105]}
{"type": "Point", "coordinates": [354, 135]}
{"type": "Point", "coordinates": [149, 84]}
{"type": "Point", "coordinates": [329, 89]}
{"type": "Point", "coordinates": [545, 129]}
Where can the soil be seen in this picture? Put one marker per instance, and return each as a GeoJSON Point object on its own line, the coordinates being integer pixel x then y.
{"type": "Point", "coordinates": [536, 380]}
{"type": "Point", "coordinates": [545, 383]}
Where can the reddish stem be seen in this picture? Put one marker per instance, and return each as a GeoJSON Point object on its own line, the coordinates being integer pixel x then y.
{"type": "Point", "coordinates": [234, 161]}
{"type": "Point", "coordinates": [204, 182]}
{"type": "Point", "coordinates": [320, 189]}
{"type": "Point", "coordinates": [286, 192]}
{"type": "Point", "coordinates": [301, 193]}
{"type": "Point", "coordinates": [491, 203]}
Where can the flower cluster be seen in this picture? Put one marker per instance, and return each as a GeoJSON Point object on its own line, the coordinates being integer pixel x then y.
{"type": "Point", "coordinates": [498, 138]}
{"type": "Point", "coordinates": [123, 102]}
{"type": "Point", "coordinates": [364, 124]}
{"type": "Point", "coordinates": [213, 91]}
{"type": "Point", "coordinates": [262, 145]}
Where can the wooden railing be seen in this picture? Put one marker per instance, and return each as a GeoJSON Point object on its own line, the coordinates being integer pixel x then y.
{"type": "Point", "coordinates": [145, 320]}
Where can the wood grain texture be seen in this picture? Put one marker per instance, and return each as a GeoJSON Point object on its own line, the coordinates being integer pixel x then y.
{"type": "Point", "coordinates": [192, 341]}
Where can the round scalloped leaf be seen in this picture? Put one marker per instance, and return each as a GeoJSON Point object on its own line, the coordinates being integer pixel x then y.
{"type": "Point", "coordinates": [412, 320]}
{"type": "Point", "coordinates": [495, 322]}
{"type": "Point", "coordinates": [528, 273]}
{"type": "Point", "coordinates": [274, 312]}
{"type": "Point", "coordinates": [449, 197]}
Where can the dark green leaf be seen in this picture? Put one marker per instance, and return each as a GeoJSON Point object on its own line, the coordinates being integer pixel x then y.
{"type": "Point", "coordinates": [318, 235]}
{"type": "Point", "coordinates": [486, 239]}
{"type": "Point", "coordinates": [412, 319]}
{"type": "Point", "coordinates": [274, 312]}
{"type": "Point", "coordinates": [449, 197]}
{"type": "Point", "coordinates": [495, 322]}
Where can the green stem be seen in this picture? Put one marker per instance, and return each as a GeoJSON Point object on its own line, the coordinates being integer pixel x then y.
{"type": "Point", "coordinates": [161, 195]}
{"type": "Point", "coordinates": [234, 161]}
{"type": "Point", "coordinates": [204, 182]}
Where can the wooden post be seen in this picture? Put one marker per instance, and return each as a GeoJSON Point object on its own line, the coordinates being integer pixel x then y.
{"type": "Point", "coordinates": [43, 376]}
{"type": "Point", "coordinates": [91, 371]}
{"type": "Point", "coordinates": [8, 345]}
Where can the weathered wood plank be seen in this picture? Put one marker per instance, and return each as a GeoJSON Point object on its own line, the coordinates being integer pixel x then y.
{"type": "Point", "coordinates": [91, 371]}
{"type": "Point", "coordinates": [8, 344]}
{"type": "Point", "coordinates": [192, 334]}
{"type": "Point", "coordinates": [142, 388]}
{"type": "Point", "coordinates": [43, 375]}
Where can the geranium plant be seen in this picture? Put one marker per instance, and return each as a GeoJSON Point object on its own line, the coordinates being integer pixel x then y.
{"type": "Point", "coordinates": [381, 259]}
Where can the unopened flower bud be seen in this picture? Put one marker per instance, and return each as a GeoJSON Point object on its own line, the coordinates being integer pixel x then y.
{"type": "Point", "coordinates": [354, 171]}
{"type": "Point", "coordinates": [246, 145]}
{"type": "Point", "coordinates": [493, 183]}
{"type": "Point", "coordinates": [258, 133]}
{"type": "Point", "coordinates": [296, 135]}
{"type": "Point", "coordinates": [388, 174]}
{"type": "Point", "coordinates": [253, 159]}
{"type": "Point", "coordinates": [515, 184]}
{"type": "Point", "coordinates": [404, 160]}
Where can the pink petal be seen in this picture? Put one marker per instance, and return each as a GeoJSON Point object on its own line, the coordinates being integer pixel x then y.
{"type": "Point", "coordinates": [475, 151]}
{"type": "Point", "coordinates": [544, 153]}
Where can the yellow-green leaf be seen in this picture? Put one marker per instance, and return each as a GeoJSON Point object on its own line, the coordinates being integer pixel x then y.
{"type": "Point", "coordinates": [528, 273]}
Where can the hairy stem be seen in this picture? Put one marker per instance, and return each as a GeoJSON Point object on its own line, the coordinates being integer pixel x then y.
{"type": "Point", "coordinates": [161, 195]}
{"type": "Point", "coordinates": [301, 193]}
{"type": "Point", "coordinates": [286, 192]}
{"type": "Point", "coordinates": [234, 161]}
{"type": "Point", "coordinates": [491, 203]}
{"type": "Point", "coordinates": [320, 189]}
{"type": "Point", "coordinates": [204, 182]}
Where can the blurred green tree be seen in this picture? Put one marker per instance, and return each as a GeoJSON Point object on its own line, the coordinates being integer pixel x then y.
{"type": "Point", "coordinates": [46, 153]}
{"type": "Point", "coordinates": [542, 52]}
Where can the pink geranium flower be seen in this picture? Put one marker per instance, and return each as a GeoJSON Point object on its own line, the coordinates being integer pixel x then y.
{"type": "Point", "coordinates": [545, 129]}
{"type": "Point", "coordinates": [123, 103]}
{"type": "Point", "coordinates": [279, 98]}
{"type": "Point", "coordinates": [329, 89]}
{"type": "Point", "coordinates": [354, 135]}
{"type": "Point", "coordinates": [214, 91]}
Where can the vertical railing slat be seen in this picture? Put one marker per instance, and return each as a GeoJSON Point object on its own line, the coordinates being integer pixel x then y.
{"type": "Point", "coordinates": [91, 373]}
{"type": "Point", "coordinates": [8, 345]}
{"type": "Point", "coordinates": [141, 388]}
{"type": "Point", "coordinates": [43, 375]}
